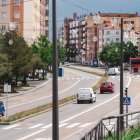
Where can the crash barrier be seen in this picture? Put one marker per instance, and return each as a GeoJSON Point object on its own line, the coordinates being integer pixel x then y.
{"type": "Point", "coordinates": [110, 128]}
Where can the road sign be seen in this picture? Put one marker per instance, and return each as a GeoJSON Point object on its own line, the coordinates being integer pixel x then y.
{"type": "Point", "coordinates": [126, 100]}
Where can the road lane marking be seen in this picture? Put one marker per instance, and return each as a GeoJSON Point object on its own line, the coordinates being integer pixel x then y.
{"type": "Point", "coordinates": [72, 125]}
{"type": "Point", "coordinates": [63, 124]}
{"type": "Point", "coordinates": [85, 125]}
{"type": "Point", "coordinates": [61, 92]}
{"type": "Point", "coordinates": [35, 126]}
{"type": "Point", "coordinates": [47, 126]}
{"type": "Point", "coordinates": [32, 134]}
{"type": "Point", "coordinates": [72, 116]}
{"type": "Point", "coordinates": [77, 115]}
{"type": "Point", "coordinates": [11, 126]}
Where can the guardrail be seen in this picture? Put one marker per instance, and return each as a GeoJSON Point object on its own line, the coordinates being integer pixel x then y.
{"type": "Point", "coordinates": [109, 128]}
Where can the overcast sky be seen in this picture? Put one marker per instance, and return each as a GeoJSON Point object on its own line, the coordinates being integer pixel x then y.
{"type": "Point", "coordinates": [65, 8]}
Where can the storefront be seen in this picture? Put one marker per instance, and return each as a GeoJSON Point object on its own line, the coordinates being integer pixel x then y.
{"type": "Point", "coordinates": [135, 65]}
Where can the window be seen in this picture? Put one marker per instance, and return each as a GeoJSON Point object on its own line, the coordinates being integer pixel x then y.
{"type": "Point", "coordinates": [3, 2]}
{"type": "Point", "coordinates": [17, 2]}
{"type": "Point", "coordinates": [3, 27]}
{"type": "Point", "coordinates": [108, 39]}
{"type": "Point", "coordinates": [108, 32]}
{"type": "Point", "coordinates": [117, 39]}
{"type": "Point", "coordinates": [17, 27]}
{"type": "Point", "coordinates": [17, 15]}
{"type": "Point", "coordinates": [4, 15]}
{"type": "Point", "coordinates": [117, 32]}
{"type": "Point", "coordinates": [47, 12]}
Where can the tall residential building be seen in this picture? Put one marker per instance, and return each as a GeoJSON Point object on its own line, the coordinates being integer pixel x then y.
{"type": "Point", "coordinates": [30, 17]}
{"type": "Point", "coordinates": [89, 37]}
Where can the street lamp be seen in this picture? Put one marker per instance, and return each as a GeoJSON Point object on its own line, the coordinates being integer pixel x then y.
{"type": "Point", "coordinates": [113, 23]}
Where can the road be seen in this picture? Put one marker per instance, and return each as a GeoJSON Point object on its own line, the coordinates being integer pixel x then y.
{"type": "Point", "coordinates": [67, 85]}
{"type": "Point", "coordinates": [75, 119]}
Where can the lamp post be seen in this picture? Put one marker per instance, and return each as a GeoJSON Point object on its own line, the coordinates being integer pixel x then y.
{"type": "Point", "coordinates": [113, 23]}
{"type": "Point", "coordinates": [121, 78]}
{"type": "Point", "coordinates": [55, 119]}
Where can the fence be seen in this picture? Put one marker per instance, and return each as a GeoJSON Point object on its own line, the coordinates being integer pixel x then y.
{"type": "Point", "coordinates": [109, 128]}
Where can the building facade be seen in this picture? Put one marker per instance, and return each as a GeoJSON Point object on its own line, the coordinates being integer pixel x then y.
{"type": "Point", "coordinates": [84, 38]}
{"type": "Point", "coordinates": [30, 17]}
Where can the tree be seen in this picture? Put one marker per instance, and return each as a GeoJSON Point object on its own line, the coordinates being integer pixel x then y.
{"type": "Point", "coordinates": [43, 48]}
{"type": "Point", "coordinates": [5, 69]}
{"type": "Point", "coordinates": [61, 53]}
{"type": "Point", "coordinates": [110, 54]}
{"type": "Point", "coordinates": [130, 51]}
{"type": "Point", "coordinates": [19, 54]}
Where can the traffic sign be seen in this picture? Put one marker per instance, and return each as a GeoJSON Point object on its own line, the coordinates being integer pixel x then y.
{"type": "Point", "coordinates": [126, 100]}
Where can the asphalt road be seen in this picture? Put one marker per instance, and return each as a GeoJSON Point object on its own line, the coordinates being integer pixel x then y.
{"type": "Point", "coordinates": [67, 85]}
{"type": "Point", "coordinates": [75, 119]}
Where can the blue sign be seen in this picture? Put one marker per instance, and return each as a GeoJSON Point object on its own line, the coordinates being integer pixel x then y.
{"type": "Point", "coordinates": [126, 100]}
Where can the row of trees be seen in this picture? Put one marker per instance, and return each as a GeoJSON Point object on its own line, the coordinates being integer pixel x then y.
{"type": "Point", "coordinates": [110, 54]}
{"type": "Point", "coordinates": [18, 59]}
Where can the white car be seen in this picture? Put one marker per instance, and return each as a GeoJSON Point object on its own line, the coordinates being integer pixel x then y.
{"type": "Point", "coordinates": [113, 71]}
{"type": "Point", "coordinates": [86, 94]}
{"type": "Point", "coordinates": [67, 64]}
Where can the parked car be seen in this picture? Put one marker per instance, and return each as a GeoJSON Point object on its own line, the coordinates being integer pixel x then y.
{"type": "Point", "coordinates": [114, 71]}
{"type": "Point", "coordinates": [2, 108]}
{"type": "Point", "coordinates": [86, 94]}
{"type": "Point", "coordinates": [107, 87]}
{"type": "Point", "coordinates": [67, 64]}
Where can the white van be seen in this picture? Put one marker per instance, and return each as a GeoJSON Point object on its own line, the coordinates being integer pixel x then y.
{"type": "Point", "coordinates": [113, 71]}
{"type": "Point", "coordinates": [86, 94]}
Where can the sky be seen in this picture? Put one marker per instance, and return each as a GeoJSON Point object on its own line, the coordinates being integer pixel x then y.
{"type": "Point", "coordinates": [65, 8]}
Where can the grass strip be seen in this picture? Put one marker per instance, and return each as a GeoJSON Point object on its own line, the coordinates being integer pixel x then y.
{"type": "Point", "coordinates": [33, 111]}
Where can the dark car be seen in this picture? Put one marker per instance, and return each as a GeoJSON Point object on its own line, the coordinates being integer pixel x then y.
{"type": "Point", "coordinates": [2, 108]}
{"type": "Point", "coordinates": [107, 87]}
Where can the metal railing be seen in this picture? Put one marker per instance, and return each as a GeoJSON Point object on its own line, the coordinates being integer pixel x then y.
{"type": "Point", "coordinates": [109, 128]}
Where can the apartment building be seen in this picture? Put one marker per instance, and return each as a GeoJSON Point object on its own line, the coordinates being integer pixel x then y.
{"type": "Point", "coordinates": [84, 38]}
{"type": "Point", "coordinates": [30, 17]}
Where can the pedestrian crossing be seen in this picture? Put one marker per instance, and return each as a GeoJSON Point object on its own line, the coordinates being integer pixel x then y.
{"type": "Point", "coordinates": [135, 77]}
{"type": "Point", "coordinates": [44, 126]}
{"type": "Point", "coordinates": [77, 78]}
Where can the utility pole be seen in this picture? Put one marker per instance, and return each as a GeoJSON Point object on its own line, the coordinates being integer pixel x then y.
{"type": "Point", "coordinates": [121, 79]}
{"type": "Point", "coordinates": [55, 119]}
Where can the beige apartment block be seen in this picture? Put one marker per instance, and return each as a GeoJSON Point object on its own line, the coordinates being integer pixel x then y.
{"type": "Point", "coordinates": [30, 17]}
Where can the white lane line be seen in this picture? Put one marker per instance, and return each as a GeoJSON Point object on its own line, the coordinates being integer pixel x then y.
{"type": "Point", "coordinates": [11, 126]}
{"type": "Point", "coordinates": [63, 124]}
{"type": "Point", "coordinates": [32, 134]}
{"type": "Point", "coordinates": [35, 126]}
{"type": "Point", "coordinates": [129, 81]}
{"type": "Point", "coordinates": [47, 126]}
{"type": "Point", "coordinates": [85, 125]}
{"type": "Point", "coordinates": [72, 125]}
{"type": "Point", "coordinates": [61, 92]}
{"type": "Point", "coordinates": [73, 116]}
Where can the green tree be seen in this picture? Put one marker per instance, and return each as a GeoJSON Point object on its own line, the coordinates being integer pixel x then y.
{"type": "Point", "coordinates": [43, 48]}
{"type": "Point", "coordinates": [61, 53]}
{"type": "Point", "coordinates": [130, 51]}
{"type": "Point", "coordinates": [5, 69]}
{"type": "Point", "coordinates": [110, 54]}
{"type": "Point", "coordinates": [19, 54]}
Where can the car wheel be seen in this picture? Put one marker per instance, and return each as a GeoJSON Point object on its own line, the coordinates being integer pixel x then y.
{"type": "Point", "coordinates": [91, 101]}
{"type": "Point", "coordinates": [101, 91]}
{"type": "Point", "coordinates": [95, 99]}
{"type": "Point", "coordinates": [112, 91]}
{"type": "Point", "coordinates": [78, 101]}
{"type": "Point", "coordinates": [2, 114]}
